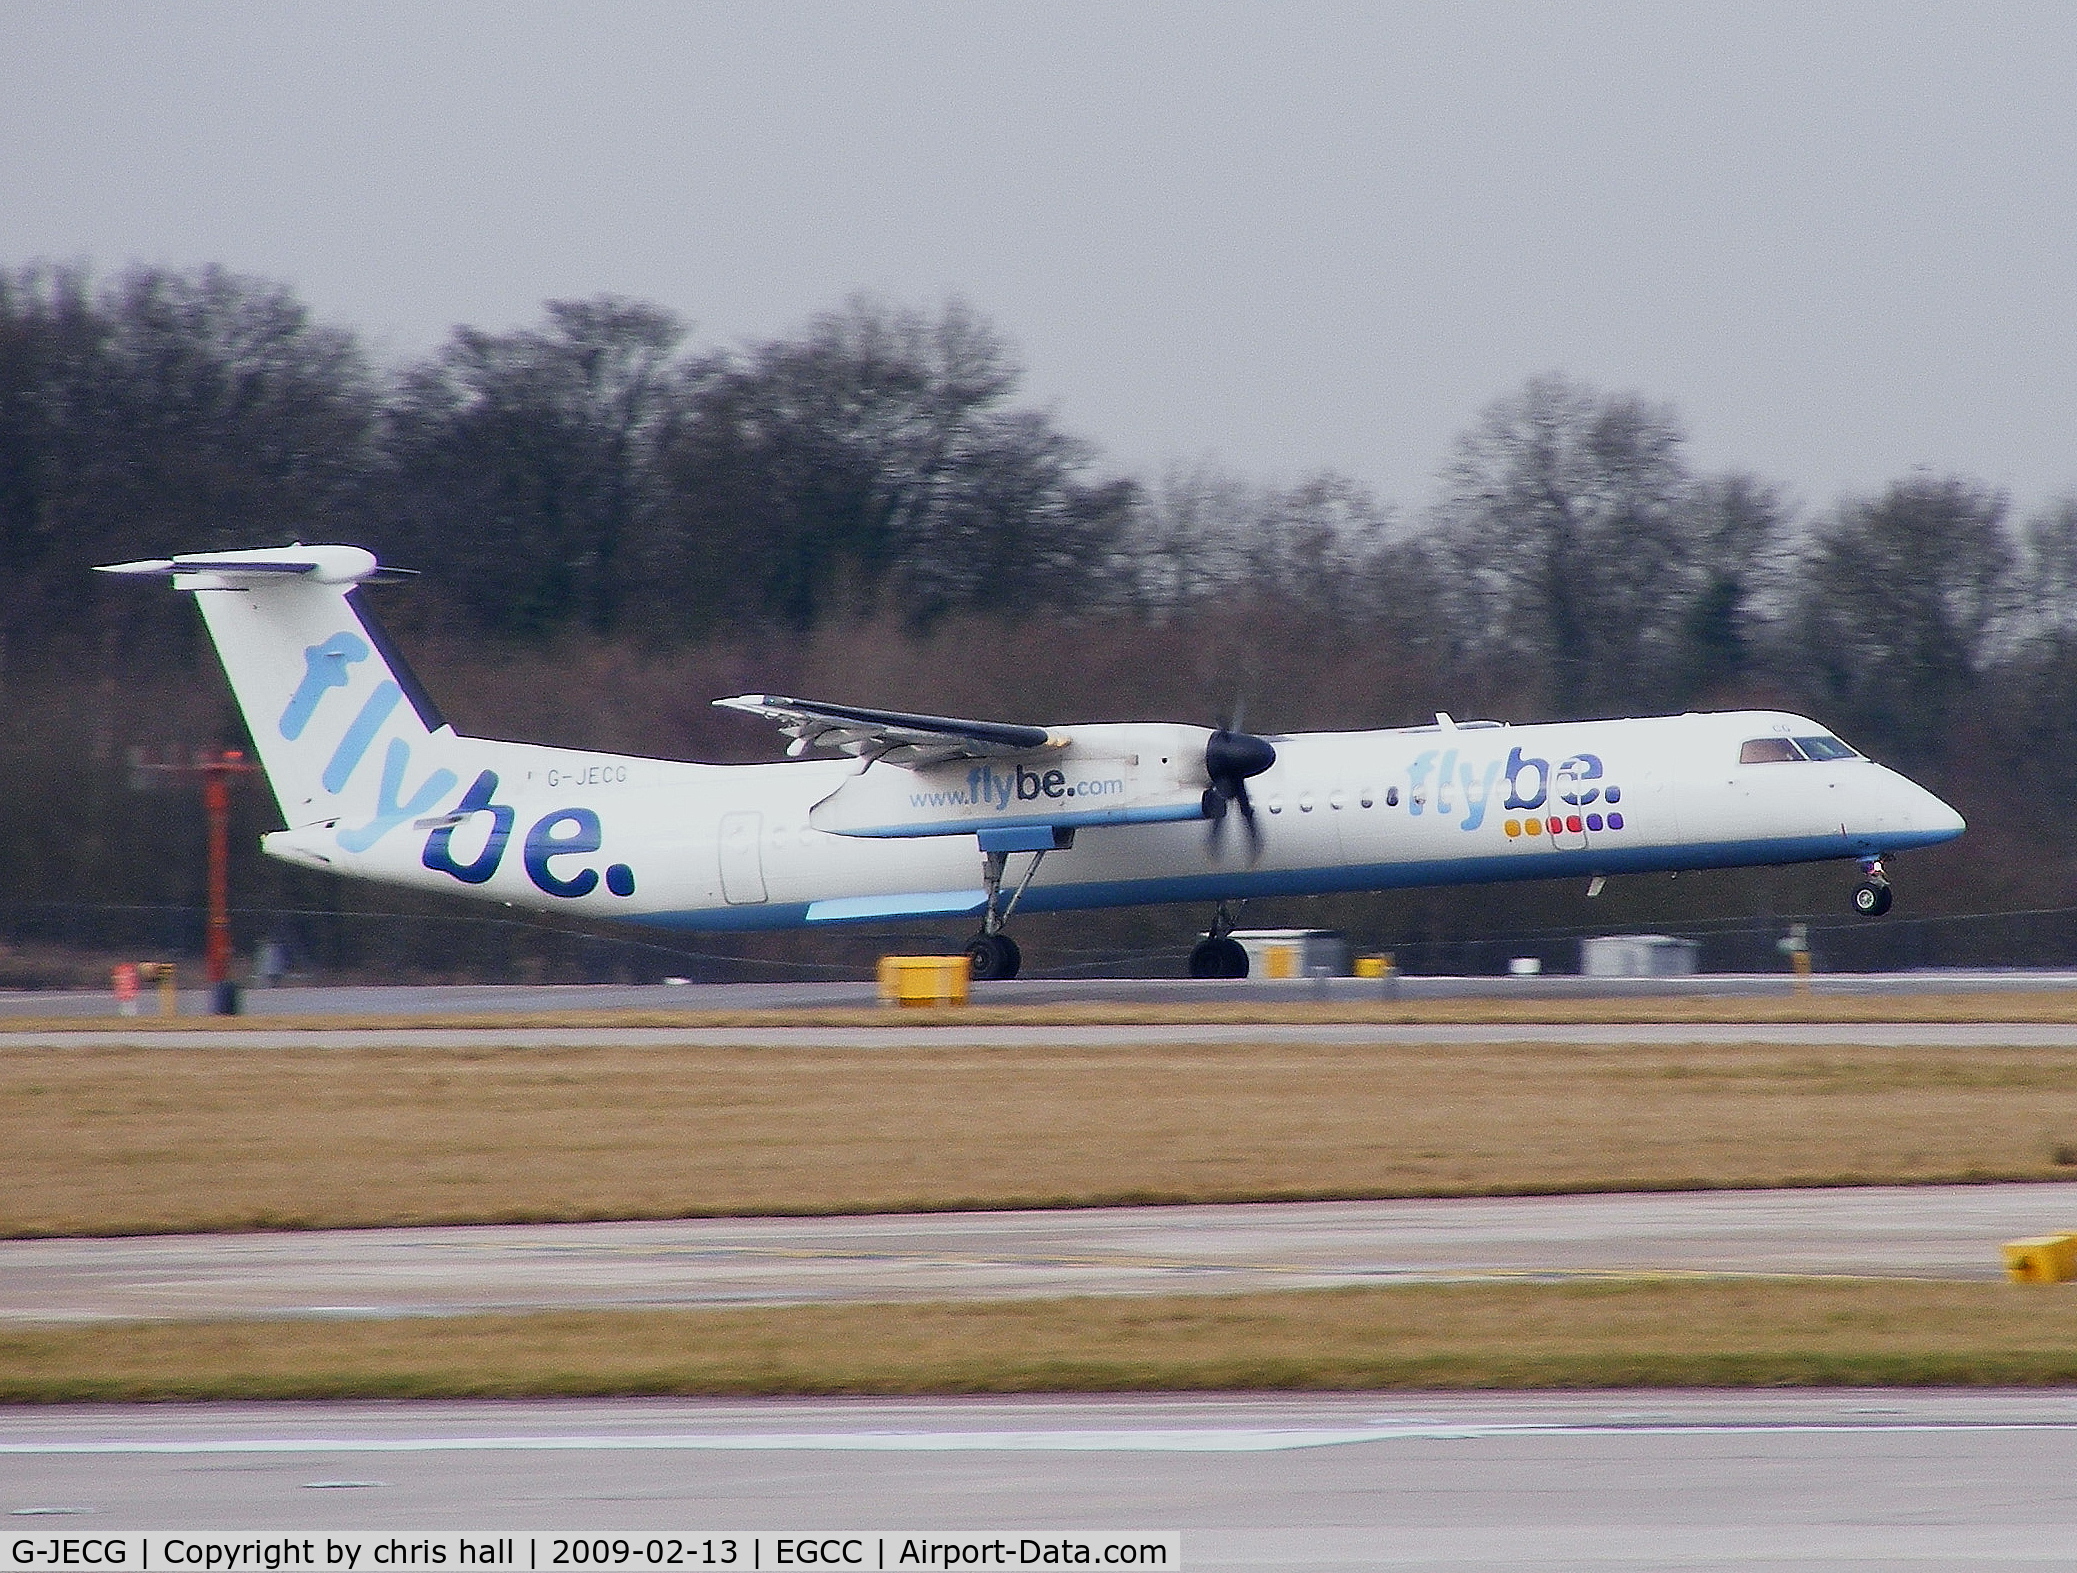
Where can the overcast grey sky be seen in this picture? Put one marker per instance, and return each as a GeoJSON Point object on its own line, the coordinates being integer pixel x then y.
{"type": "Point", "coordinates": [1838, 237]}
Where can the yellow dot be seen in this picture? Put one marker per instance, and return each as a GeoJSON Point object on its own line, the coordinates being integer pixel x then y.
{"type": "Point", "coordinates": [1513, 827]}
{"type": "Point", "coordinates": [1533, 826]}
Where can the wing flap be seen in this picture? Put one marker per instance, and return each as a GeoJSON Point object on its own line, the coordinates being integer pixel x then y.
{"type": "Point", "coordinates": [895, 736]}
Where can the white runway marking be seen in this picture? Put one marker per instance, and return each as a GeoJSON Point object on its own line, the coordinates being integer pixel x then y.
{"type": "Point", "coordinates": [1217, 1440]}
{"type": "Point", "coordinates": [1807, 1479]}
{"type": "Point", "coordinates": [1193, 1441]}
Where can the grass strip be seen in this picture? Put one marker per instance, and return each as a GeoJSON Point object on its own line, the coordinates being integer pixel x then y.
{"type": "Point", "coordinates": [149, 1140]}
{"type": "Point", "coordinates": [1603, 1334]}
{"type": "Point", "coordinates": [2047, 1007]}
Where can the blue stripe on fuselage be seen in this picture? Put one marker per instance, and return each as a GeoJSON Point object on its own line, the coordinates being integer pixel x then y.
{"type": "Point", "coordinates": [1606, 856]}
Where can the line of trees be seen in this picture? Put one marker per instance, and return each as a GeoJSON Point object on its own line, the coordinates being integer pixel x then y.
{"type": "Point", "coordinates": [865, 503]}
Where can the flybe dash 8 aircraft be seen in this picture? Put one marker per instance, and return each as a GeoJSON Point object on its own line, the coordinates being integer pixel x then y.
{"type": "Point", "coordinates": [908, 816]}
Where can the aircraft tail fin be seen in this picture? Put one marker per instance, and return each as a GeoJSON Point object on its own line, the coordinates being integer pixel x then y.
{"type": "Point", "coordinates": [318, 680]}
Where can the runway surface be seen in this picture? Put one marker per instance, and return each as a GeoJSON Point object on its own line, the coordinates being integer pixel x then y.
{"type": "Point", "coordinates": [419, 999]}
{"type": "Point", "coordinates": [1929, 1231]}
{"type": "Point", "coordinates": [897, 1035]}
{"type": "Point", "coordinates": [1806, 1480]}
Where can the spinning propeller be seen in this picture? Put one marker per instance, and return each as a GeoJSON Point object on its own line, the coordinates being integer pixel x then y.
{"type": "Point", "coordinates": [1230, 757]}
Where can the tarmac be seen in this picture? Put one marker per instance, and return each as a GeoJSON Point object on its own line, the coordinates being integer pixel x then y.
{"type": "Point", "coordinates": [421, 999]}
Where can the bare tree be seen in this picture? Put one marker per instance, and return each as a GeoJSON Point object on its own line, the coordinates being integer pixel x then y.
{"type": "Point", "coordinates": [1741, 542]}
{"type": "Point", "coordinates": [520, 462]}
{"type": "Point", "coordinates": [2046, 599]}
{"type": "Point", "coordinates": [1568, 515]}
{"type": "Point", "coordinates": [1902, 601]}
{"type": "Point", "coordinates": [875, 454]}
{"type": "Point", "coordinates": [163, 411]}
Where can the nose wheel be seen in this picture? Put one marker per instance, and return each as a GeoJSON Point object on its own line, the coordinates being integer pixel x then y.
{"type": "Point", "coordinates": [1871, 897]}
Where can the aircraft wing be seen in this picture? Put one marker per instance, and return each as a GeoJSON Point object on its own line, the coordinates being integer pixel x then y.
{"type": "Point", "coordinates": [892, 735]}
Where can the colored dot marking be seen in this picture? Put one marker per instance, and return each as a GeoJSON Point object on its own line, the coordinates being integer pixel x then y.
{"type": "Point", "coordinates": [1572, 823]}
{"type": "Point", "coordinates": [1513, 827]}
{"type": "Point", "coordinates": [1615, 821]}
{"type": "Point", "coordinates": [620, 879]}
{"type": "Point", "coordinates": [1615, 795]}
{"type": "Point", "coordinates": [1556, 824]}
{"type": "Point", "coordinates": [1593, 821]}
{"type": "Point", "coordinates": [1533, 826]}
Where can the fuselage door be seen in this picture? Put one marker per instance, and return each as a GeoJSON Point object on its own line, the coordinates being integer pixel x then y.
{"type": "Point", "coordinates": [742, 859]}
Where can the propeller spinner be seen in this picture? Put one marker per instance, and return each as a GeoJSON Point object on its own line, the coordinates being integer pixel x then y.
{"type": "Point", "coordinates": [1230, 758]}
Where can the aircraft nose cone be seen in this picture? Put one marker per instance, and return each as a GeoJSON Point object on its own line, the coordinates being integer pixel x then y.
{"type": "Point", "coordinates": [1922, 816]}
{"type": "Point", "coordinates": [1944, 819]}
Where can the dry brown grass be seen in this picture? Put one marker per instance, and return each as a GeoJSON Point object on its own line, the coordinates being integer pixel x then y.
{"type": "Point", "coordinates": [147, 1139]}
{"type": "Point", "coordinates": [2050, 1007]}
{"type": "Point", "coordinates": [1622, 1334]}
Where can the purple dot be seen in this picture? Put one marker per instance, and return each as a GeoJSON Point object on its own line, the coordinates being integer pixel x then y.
{"type": "Point", "coordinates": [1615, 821]}
{"type": "Point", "coordinates": [1593, 821]}
{"type": "Point", "coordinates": [1615, 795]}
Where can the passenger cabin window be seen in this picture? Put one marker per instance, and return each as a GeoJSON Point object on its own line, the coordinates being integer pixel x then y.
{"type": "Point", "coordinates": [1767, 751]}
{"type": "Point", "coordinates": [1825, 748]}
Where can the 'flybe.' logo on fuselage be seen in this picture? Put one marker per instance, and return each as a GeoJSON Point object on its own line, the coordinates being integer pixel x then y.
{"type": "Point", "coordinates": [988, 788]}
{"type": "Point", "coordinates": [561, 833]}
{"type": "Point", "coordinates": [1572, 797]}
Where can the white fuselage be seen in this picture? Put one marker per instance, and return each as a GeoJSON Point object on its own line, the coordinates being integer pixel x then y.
{"type": "Point", "coordinates": [769, 846]}
{"type": "Point", "coordinates": [372, 782]}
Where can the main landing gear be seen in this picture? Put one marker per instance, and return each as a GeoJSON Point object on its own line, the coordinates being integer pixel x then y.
{"type": "Point", "coordinates": [1219, 954]}
{"type": "Point", "coordinates": [1871, 897]}
{"type": "Point", "coordinates": [991, 954]}
{"type": "Point", "coordinates": [993, 957]}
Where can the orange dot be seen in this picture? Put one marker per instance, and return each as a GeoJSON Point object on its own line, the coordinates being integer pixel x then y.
{"type": "Point", "coordinates": [1513, 827]}
{"type": "Point", "coordinates": [1534, 827]}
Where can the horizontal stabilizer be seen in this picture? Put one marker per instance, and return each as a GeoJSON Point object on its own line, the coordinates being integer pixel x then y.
{"type": "Point", "coordinates": [345, 731]}
{"type": "Point", "coordinates": [892, 735]}
{"type": "Point", "coordinates": [319, 564]}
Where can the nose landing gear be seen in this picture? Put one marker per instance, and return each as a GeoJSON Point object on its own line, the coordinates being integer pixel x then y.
{"type": "Point", "coordinates": [1871, 897]}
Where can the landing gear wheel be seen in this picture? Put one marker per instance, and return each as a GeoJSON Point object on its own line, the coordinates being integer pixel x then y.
{"type": "Point", "coordinates": [1871, 898]}
{"type": "Point", "coordinates": [995, 958]}
{"type": "Point", "coordinates": [1219, 958]}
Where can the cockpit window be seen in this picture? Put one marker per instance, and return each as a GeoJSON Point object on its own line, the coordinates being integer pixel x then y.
{"type": "Point", "coordinates": [1767, 751]}
{"type": "Point", "coordinates": [1825, 748]}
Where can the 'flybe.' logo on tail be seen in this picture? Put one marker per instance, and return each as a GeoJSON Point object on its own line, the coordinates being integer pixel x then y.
{"type": "Point", "coordinates": [326, 667]}
{"type": "Point", "coordinates": [560, 833]}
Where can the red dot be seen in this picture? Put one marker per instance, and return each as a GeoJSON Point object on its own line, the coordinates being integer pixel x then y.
{"type": "Point", "coordinates": [1572, 823]}
{"type": "Point", "coordinates": [1556, 824]}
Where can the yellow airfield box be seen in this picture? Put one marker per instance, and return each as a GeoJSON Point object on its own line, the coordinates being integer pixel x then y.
{"type": "Point", "coordinates": [1294, 953]}
{"type": "Point", "coordinates": [2045, 1259]}
{"type": "Point", "coordinates": [924, 980]}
